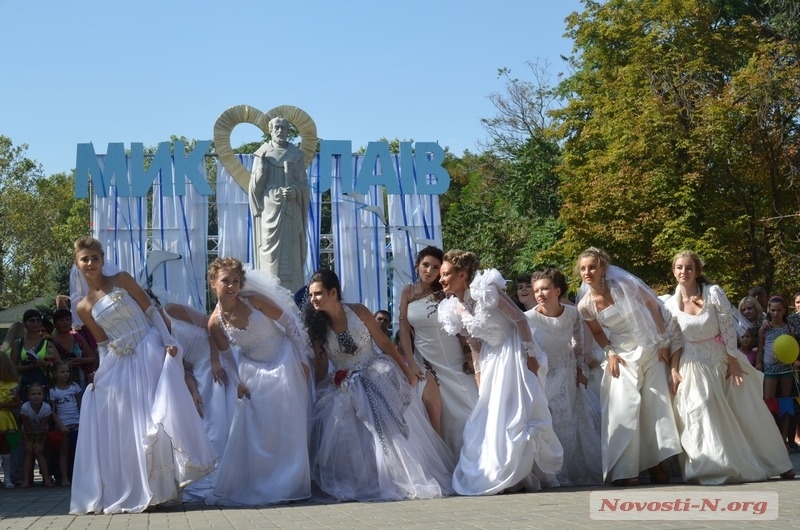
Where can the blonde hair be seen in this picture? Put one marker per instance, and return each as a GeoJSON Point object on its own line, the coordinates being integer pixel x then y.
{"type": "Point", "coordinates": [88, 243]}
{"type": "Point", "coordinates": [599, 254]}
{"type": "Point", "coordinates": [15, 332]}
{"type": "Point", "coordinates": [463, 260]}
{"type": "Point", "coordinates": [698, 262]}
{"type": "Point", "coordinates": [231, 264]}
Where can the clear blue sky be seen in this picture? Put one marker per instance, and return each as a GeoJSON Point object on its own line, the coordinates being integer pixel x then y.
{"type": "Point", "coordinates": [140, 71]}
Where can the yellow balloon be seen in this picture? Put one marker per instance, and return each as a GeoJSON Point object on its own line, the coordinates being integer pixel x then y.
{"type": "Point", "coordinates": [786, 349]}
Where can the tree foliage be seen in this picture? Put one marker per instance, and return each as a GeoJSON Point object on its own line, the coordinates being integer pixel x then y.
{"type": "Point", "coordinates": [504, 203]}
{"type": "Point", "coordinates": [681, 131]}
{"type": "Point", "coordinates": [39, 220]}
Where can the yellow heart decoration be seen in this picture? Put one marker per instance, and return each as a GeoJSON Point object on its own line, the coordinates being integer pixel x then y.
{"type": "Point", "coordinates": [246, 114]}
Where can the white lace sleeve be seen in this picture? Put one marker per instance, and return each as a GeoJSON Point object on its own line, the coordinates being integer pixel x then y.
{"type": "Point", "coordinates": [716, 296]}
{"type": "Point", "coordinates": [585, 309]}
{"type": "Point", "coordinates": [449, 316]}
{"type": "Point", "coordinates": [577, 339]}
{"type": "Point", "coordinates": [673, 326]}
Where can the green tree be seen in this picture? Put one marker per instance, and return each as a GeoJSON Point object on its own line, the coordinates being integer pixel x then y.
{"type": "Point", "coordinates": [504, 203]}
{"type": "Point", "coordinates": [39, 220]}
{"type": "Point", "coordinates": [681, 131]}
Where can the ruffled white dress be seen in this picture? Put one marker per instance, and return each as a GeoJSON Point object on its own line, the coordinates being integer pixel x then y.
{"type": "Point", "coordinates": [575, 410]}
{"type": "Point", "coordinates": [638, 423]}
{"type": "Point", "coordinates": [371, 438]}
{"type": "Point", "coordinates": [141, 439]}
{"type": "Point", "coordinates": [509, 440]}
{"type": "Point", "coordinates": [727, 433]}
{"type": "Point", "coordinates": [266, 457]}
{"type": "Point", "coordinates": [444, 354]}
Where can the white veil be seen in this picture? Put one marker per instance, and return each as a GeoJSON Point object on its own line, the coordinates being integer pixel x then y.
{"type": "Point", "coordinates": [631, 295]}
{"type": "Point", "coordinates": [268, 285]}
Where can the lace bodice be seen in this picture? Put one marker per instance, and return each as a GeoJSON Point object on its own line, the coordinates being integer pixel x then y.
{"type": "Point", "coordinates": [351, 349]}
{"type": "Point", "coordinates": [261, 340]}
{"type": "Point", "coordinates": [708, 335]}
{"type": "Point", "coordinates": [561, 337]}
{"type": "Point", "coordinates": [122, 319]}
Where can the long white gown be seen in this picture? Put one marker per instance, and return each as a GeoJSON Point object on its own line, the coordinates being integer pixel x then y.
{"type": "Point", "coordinates": [140, 439]}
{"type": "Point", "coordinates": [575, 410]}
{"type": "Point", "coordinates": [727, 433]}
{"type": "Point", "coordinates": [371, 438]}
{"type": "Point", "coordinates": [638, 423]}
{"type": "Point", "coordinates": [508, 438]}
{"type": "Point", "coordinates": [266, 457]}
{"type": "Point", "coordinates": [446, 357]}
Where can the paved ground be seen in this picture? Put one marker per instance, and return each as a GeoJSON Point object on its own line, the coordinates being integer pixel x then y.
{"type": "Point", "coordinates": [39, 508]}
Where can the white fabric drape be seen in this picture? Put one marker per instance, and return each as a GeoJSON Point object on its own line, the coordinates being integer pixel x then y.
{"type": "Point", "coordinates": [359, 230]}
{"type": "Point", "coordinates": [360, 222]}
{"type": "Point", "coordinates": [235, 227]}
{"type": "Point", "coordinates": [180, 225]}
{"type": "Point", "coordinates": [414, 222]}
{"type": "Point", "coordinates": [119, 224]}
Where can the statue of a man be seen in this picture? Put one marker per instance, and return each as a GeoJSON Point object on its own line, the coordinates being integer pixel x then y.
{"type": "Point", "coordinates": [279, 197]}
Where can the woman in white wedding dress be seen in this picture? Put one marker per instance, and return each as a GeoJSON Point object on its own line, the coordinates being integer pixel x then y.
{"type": "Point", "coordinates": [727, 433]}
{"type": "Point", "coordinates": [422, 337]}
{"type": "Point", "coordinates": [638, 430]}
{"type": "Point", "coordinates": [509, 443]}
{"type": "Point", "coordinates": [559, 331]}
{"type": "Point", "coordinates": [371, 438]}
{"type": "Point", "coordinates": [266, 455]}
{"type": "Point", "coordinates": [214, 397]}
{"type": "Point", "coordinates": [141, 439]}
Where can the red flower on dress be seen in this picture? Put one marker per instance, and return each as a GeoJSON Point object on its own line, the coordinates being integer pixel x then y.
{"type": "Point", "coordinates": [339, 377]}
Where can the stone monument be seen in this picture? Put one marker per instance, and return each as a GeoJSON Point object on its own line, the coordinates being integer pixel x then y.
{"type": "Point", "coordinates": [279, 195]}
{"type": "Point", "coordinates": [277, 187]}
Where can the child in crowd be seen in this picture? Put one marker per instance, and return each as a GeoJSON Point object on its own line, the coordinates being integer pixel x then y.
{"type": "Point", "coordinates": [747, 345]}
{"type": "Point", "coordinates": [35, 415]}
{"type": "Point", "coordinates": [9, 402]}
{"type": "Point", "coordinates": [777, 375]}
{"type": "Point", "coordinates": [65, 399]}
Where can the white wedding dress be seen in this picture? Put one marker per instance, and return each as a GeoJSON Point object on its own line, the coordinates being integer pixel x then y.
{"type": "Point", "coordinates": [444, 353]}
{"type": "Point", "coordinates": [508, 438]}
{"type": "Point", "coordinates": [266, 456]}
{"type": "Point", "coordinates": [638, 423]}
{"type": "Point", "coordinates": [218, 400]}
{"type": "Point", "coordinates": [575, 410]}
{"type": "Point", "coordinates": [727, 433]}
{"type": "Point", "coordinates": [140, 439]}
{"type": "Point", "coordinates": [371, 438]}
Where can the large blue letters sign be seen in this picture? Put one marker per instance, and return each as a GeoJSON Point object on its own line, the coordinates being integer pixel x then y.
{"type": "Point", "coordinates": [423, 159]}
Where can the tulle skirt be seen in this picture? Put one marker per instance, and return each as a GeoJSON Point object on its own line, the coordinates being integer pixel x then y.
{"type": "Point", "coordinates": [371, 438]}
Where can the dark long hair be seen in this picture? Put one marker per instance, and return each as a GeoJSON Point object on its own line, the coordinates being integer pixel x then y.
{"type": "Point", "coordinates": [318, 322]}
{"type": "Point", "coordinates": [435, 253]}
